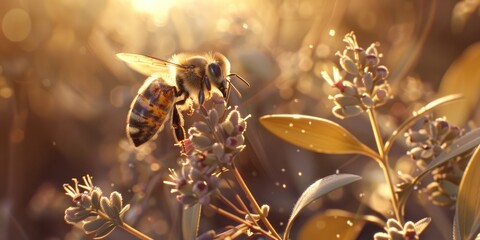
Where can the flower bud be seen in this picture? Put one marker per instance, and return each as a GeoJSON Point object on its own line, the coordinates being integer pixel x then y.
{"type": "Point", "coordinates": [372, 50]}
{"type": "Point", "coordinates": [201, 142]}
{"type": "Point", "coordinates": [218, 150]}
{"type": "Point", "coordinates": [233, 117]}
{"type": "Point", "coordinates": [349, 90]}
{"type": "Point", "coordinates": [361, 54]}
{"type": "Point", "coordinates": [380, 96]}
{"type": "Point", "coordinates": [416, 136]}
{"type": "Point", "coordinates": [415, 153]}
{"type": "Point", "coordinates": [200, 188]}
{"type": "Point", "coordinates": [382, 72]}
{"type": "Point", "coordinates": [372, 60]}
{"type": "Point", "coordinates": [342, 100]}
{"type": "Point", "coordinates": [350, 111]}
{"type": "Point", "coordinates": [368, 81]}
{"type": "Point", "coordinates": [201, 127]}
{"type": "Point", "coordinates": [367, 101]}
{"type": "Point", "coordinates": [227, 127]}
{"type": "Point", "coordinates": [348, 65]}
{"type": "Point", "coordinates": [213, 117]}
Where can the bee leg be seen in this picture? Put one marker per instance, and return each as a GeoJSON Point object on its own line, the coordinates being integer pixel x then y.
{"type": "Point", "coordinates": [177, 124]}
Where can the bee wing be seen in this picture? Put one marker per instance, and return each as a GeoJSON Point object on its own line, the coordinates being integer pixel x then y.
{"type": "Point", "coordinates": [147, 65]}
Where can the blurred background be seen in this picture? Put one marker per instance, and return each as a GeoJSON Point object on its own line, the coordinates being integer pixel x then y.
{"type": "Point", "coordinates": [64, 99]}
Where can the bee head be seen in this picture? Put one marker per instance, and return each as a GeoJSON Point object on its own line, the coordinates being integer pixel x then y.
{"type": "Point", "coordinates": [215, 74]}
{"type": "Point", "coordinates": [217, 71]}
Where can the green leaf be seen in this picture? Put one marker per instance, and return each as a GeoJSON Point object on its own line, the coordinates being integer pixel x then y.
{"type": "Point", "coordinates": [459, 146]}
{"type": "Point", "coordinates": [190, 221]}
{"type": "Point", "coordinates": [467, 216]}
{"type": "Point", "coordinates": [316, 134]}
{"type": "Point", "coordinates": [418, 114]}
{"type": "Point", "coordinates": [422, 224]}
{"type": "Point", "coordinates": [108, 209]}
{"type": "Point", "coordinates": [317, 190]}
{"type": "Point", "coordinates": [116, 201]}
{"type": "Point", "coordinates": [463, 76]}
{"type": "Point", "coordinates": [94, 225]}
{"type": "Point", "coordinates": [104, 230]}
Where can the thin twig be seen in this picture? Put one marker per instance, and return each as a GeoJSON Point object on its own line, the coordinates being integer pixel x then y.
{"type": "Point", "coordinates": [230, 204]}
{"type": "Point", "coordinates": [239, 220]}
{"type": "Point", "coordinates": [252, 200]}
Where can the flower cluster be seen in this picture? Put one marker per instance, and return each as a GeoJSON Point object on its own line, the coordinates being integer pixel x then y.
{"type": "Point", "coordinates": [99, 214]}
{"type": "Point", "coordinates": [210, 149]}
{"type": "Point", "coordinates": [426, 144]}
{"type": "Point", "coordinates": [395, 231]}
{"type": "Point", "coordinates": [367, 87]}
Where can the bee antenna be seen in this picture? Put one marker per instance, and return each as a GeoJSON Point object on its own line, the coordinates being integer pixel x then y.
{"type": "Point", "coordinates": [239, 77]}
{"type": "Point", "coordinates": [230, 84]}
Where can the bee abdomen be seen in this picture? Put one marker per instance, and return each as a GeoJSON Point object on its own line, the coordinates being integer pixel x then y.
{"type": "Point", "coordinates": [148, 111]}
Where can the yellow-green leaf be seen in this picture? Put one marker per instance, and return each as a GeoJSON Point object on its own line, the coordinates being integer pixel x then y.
{"type": "Point", "coordinates": [190, 221]}
{"type": "Point", "coordinates": [331, 227]}
{"type": "Point", "coordinates": [336, 224]}
{"type": "Point", "coordinates": [467, 219]}
{"type": "Point", "coordinates": [463, 77]}
{"type": "Point", "coordinates": [316, 134]}
{"type": "Point", "coordinates": [317, 190]}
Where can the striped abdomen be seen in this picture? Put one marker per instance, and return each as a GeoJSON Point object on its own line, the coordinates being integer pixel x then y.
{"type": "Point", "coordinates": [149, 110]}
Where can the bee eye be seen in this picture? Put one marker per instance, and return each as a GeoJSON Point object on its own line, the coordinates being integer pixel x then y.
{"type": "Point", "coordinates": [215, 70]}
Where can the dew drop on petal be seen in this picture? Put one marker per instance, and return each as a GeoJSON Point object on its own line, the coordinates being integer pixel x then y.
{"type": "Point", "coordinates": [277, 184]}
{"type": "Point", "coordinates": [337, 171]}
{"type": "Point", "coordinates": [283, 169]}
{"type": "Point", "coordinates": [298, 150]}
{"type": "Point", "coordinates": [303, 131]}
{"type": "Point", "coordinates": [281, 224]}
{"type": "Point", "coordinates": [112, 184]}
{"type": "Point", "coordinates": [361, 195]}
{"type": "Point", "coordinates": [284, 185]}
{"type": "Point", "coordinates": [415, 187]}
{"type": "Point", "coordinates": [349, 223]}
{"type": "Point", "coordinates": [338, 235]}
{"type": "Point", "coordinates": [299, 173]}
{"type": "Point", "coordinates": [290, 124]}
{"type": "Point", "coordinates": [309, 122]}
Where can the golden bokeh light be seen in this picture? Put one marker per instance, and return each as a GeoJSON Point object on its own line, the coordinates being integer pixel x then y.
{"type": "Point", "coordinates": [16, 24]}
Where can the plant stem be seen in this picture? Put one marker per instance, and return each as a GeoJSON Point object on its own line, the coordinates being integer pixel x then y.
{"type": "Point", "coordinates": [135, 232]}
{"type": "Point", "coordinates": [384, 164]}
{"type": "Point", "coordinates": [239, 220]}
{"type": "Point", "coordinates": [254, 203]}
{"type": "Point", "coordinates": [127, 227]}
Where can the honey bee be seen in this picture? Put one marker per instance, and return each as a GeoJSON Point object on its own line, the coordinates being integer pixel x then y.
{"type": "Point", "coordinates": [174, 86]}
